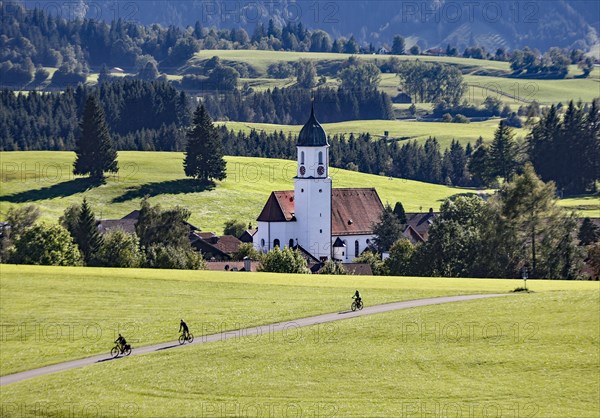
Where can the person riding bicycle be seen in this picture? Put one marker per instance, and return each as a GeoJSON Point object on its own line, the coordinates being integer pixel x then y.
{"type": "Point", "coordinates": [186, 331]}
{"type": "Point", "coordinates": [357, 297]}
{"type": "Point", "coordinates": [121, 342]}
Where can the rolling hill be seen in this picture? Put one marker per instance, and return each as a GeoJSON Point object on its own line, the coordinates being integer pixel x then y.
{"type": "Point", "coordinates": [44, 178]}
{"type": "Point", "coordinates": [403, 129]}
{"type": "Point", "coordinates": [427, 23]}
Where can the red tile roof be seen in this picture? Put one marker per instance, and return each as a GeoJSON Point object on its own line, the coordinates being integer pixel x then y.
{"type": "Point", "coordinates": [227, 243]}
{"type": "Point", "coordinates": [218, 247]}
{"type": "Point", "coordinates": [354, 211]}
{"type": "Point", "coordinates": [279, 207]}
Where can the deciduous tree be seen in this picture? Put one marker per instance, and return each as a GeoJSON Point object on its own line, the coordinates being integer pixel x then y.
{"type": "Point", "coordinates": [284, 260]}
{"type": "Point", "coordinates": [48, 245]}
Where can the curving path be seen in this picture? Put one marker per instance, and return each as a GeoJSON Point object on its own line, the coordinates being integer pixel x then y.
{"type": "Point", "coordinates": [280, 326]}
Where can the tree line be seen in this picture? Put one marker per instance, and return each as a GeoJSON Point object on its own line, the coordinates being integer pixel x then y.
{"type": "Point", "coordinates": [160, 239]}
{"type": "Point", "coordinates": [565, 150]}
{"type": "Point", "coordinates": [521, 227]}
{"type": "Point", "coordinates": [31, 39]}
{"type": "Point", "coordinates": [145, 116]}
{"type": "Point", "coordinates": [134, 109]}
{"type": "Point", "coordinates": [287, 106]}
{"type": "Point", "coordinates": [140, 116]}
{"type": "Point", "coordinates": [404, 159]}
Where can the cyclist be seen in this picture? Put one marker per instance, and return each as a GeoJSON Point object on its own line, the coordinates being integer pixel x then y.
{"type": "Point", "coordinates": [186, 331]}
{"type": "Point", "coordinates": [357, 297]}
{"type": "Point", "coordinates": [121, 342]}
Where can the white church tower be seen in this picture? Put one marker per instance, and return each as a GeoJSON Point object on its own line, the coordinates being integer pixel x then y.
{"type": "Point", "coordinates": [312, 190]}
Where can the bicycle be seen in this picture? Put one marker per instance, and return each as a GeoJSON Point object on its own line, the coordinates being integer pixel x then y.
{"type": "Point", "coordinates": [116, 351]}
{"type": "Point", "coordinates": [357, 304]}
{"type": "Point", "coordinates": [183, 338]}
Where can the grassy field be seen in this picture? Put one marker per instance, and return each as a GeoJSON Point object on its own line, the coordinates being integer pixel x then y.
{"type": "Point", "coordinates": [522, 91]}
{"type": "Point", "coordinates": [52, 314]}
{"type": "Point", "coordinates": [523, 355]}
{"type": "Point", "coordinates": [44, 178]}
{"type": "Point", "coordinates": [484, 78]}
{"type": "Point", "coordinates": [261, 60]}
{"type": "Point", "coordinates": [405, 129]}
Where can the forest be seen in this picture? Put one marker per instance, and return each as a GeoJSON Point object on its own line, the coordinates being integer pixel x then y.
{"type": "Point", "coordinates": [31, 39]}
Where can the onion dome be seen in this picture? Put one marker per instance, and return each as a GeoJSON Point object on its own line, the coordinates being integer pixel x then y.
{"type": "Point", "coordinates": [312, 133]}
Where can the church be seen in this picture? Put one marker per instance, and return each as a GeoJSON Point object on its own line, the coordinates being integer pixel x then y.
{"type": "Point", "coordinates": [321, 221]}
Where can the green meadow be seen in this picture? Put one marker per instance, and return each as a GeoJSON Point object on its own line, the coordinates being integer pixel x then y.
{"type": "Point", "coordinates": [54, 314]}
{"type": "Point", "coordinates": [530, 354]}
{"type": "Point", "coordinates": [44, 178]}
{"type": "Point", "coordinates": [260, 60]}
{"type": "Point", "coordinates": [484, 78]}
{"type": "Point", "coordinates": [404, 129]}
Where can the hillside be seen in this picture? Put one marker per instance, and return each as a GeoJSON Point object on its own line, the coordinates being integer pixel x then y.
{"type": "Point", "coordinates": [427, 23]}
{"type": "Point", "coordinates": [44, 178]}
{"type": "Point", "coordinates": [483, 77]}
{"type": "Point", "coordinates": [403, 129]}
{"type": "Point", "coordinates": [48, 182]}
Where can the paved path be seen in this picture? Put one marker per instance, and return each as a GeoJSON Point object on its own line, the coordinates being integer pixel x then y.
{"type": "Point", "coordinates": [303, 322]}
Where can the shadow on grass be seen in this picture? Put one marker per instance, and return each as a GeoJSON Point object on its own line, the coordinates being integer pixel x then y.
{"type": "Point", "coordinates": [64, 189]}
{"type": "Point", "coordinates": [164, 187]}
{"type": "Point", "coordinates": [457, 195]}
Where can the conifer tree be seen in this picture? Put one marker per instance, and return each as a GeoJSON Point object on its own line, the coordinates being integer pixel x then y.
{"type": "Point", "coordinates": [503, 153]}
{"type": "Point", "coordinates": [87, 236]}
{"type": "Point", "coordinates": [589, 233]}
{"type": "Point", "coordinates": [204, 152]}
{"type": "Point", "coordinates": [388, 230]}
{"type": "Point", "coordinates": [398, 46]}
{"type": "Point", "coordinates": [94, 149]}
{"type": "Point", "coordinates": [399, 212]}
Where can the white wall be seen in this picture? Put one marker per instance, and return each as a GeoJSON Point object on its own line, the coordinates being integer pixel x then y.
{"type": "Point", "coordinates": [313, 214]}
{"type": "Point", "coordinates": [269, 232]}
{"type": "Point", "coordinates": [311, 161]}
{"type": "Point", "coordinates": [350, 245]}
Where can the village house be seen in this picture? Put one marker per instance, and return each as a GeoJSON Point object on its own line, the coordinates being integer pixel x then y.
{"type": "Point", "coordinates": [209, 244]}
{"type": "Point", "coordinates": [417, 226]}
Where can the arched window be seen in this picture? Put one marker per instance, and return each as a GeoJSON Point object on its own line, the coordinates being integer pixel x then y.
{"type": "Point", "coordinates": [291, 243]}
{"type": "Point", "coordinates": [320, 157]}
{"type": "Point", "coordinates": [356, 248]}
{"type": "Point", "coordinates": [276, 243]}
{"type": "Point", "coordinates": [302, 157]}
{"type": "Point", "coordinates": [262, 242]}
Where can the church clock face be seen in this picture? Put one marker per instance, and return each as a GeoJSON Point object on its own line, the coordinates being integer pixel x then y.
{"type": "Point", "coordinates": [321, 170]}
{"type": "Point", "coordinates": [302, 170]}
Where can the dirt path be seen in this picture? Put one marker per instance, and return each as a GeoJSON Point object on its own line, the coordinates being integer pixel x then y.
{"type": "Point", "coordinates": [281, 326]}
